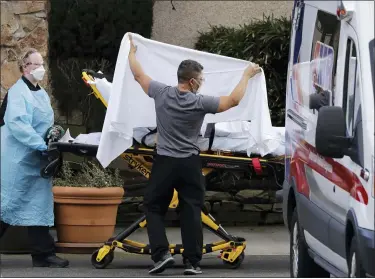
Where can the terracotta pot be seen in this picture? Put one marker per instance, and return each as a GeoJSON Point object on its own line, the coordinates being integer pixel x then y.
{"type": "Point", "coordinates": [86, 214]}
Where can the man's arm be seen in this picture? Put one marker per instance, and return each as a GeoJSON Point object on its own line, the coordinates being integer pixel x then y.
{"type": "Point", "coordinates": [136, 68]}
{"type": "Point", "coordinates": [228, 102]}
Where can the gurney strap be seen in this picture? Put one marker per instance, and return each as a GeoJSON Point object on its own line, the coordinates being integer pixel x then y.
{"type": "Point", "coordinates": [257, 166]}
{"type": "Point", "coordinates": [210, 133]}
{"type": "Point", "coordinates": [143, 140]}
{"type": "Point", "coordinates": [136, 145]}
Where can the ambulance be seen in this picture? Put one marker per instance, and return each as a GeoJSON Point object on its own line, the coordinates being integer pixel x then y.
{"type": "Point", "coordinates": [328, 192]}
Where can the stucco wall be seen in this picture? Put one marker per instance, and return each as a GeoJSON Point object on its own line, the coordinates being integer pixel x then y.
{"type": "Point", "coordinates": [23, 25]}
{"type": "Point", "coordinates": [181, 26]}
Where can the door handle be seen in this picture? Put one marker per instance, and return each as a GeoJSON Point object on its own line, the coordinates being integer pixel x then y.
{"type": "Point", "coordinates": [334, 188]}
{"type": "Point", "coordinates": [297, 119]}
{"type": "Point", "coordinates": [365, 174]}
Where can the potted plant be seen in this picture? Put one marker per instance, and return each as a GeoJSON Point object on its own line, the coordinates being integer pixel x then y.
{"type": "Point", "coordinates": [86, 204]}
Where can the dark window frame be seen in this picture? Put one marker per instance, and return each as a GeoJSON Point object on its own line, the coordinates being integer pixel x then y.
{"type": "Point", "coordinates": [334, 40]}
{"type": "Point", "coordinates": [372, 60]}
{"type": "Point", "coordinates": [350, 46]}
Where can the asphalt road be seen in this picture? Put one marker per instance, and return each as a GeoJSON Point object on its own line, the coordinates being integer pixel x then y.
{"type": "Point", "coordinates": [137, 266]}
{"type": "Point", "coordinates": [267, 255]}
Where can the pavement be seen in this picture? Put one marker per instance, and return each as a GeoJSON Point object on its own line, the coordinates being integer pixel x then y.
{"type": "Point", "coordinates": [267, 255]}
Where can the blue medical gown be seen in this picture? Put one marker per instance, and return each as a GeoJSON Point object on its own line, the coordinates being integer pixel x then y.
{"type": "Point", "coordinates": [26, 197]}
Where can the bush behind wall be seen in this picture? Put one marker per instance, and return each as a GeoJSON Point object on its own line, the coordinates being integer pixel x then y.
{"type": "Point", "coordinates": [265, 42]}
{"type": "Point", "coordinates": [89, 32]}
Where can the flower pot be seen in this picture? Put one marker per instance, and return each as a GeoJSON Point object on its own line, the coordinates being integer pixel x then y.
{"type": "Point", "coordinates": [86, 215]}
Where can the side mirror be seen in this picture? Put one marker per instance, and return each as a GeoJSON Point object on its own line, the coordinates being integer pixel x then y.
{"type": "Point", "coordinates": [330, 138]}
{"type": "Point", "coordinates": [318, 100]}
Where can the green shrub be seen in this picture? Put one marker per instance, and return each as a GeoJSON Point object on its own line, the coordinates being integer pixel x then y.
{"type": "Point", "coordinates": [92, 28]}
{"type": "Point", "coordinates": [265, 42]}
{"type": "Point", "coordinates": [72, 93]}
{"type": "Point", "coordinates": [89, 32]}
{"type": "Point", "coordinates": [90, 175]}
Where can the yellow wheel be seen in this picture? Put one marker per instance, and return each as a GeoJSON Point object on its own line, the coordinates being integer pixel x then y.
{"type": "Point", "coordinates": [104, 262]}
{"type": "Point", "coordinates": [237, 263]}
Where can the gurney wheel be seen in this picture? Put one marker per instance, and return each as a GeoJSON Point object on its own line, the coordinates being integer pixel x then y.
{"type": "Point", "coordinates": [237, 263]}
{"type": "Point", "coordinates": [104, 262]}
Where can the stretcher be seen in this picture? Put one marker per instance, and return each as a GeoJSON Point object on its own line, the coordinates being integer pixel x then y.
{"type": "Point", "coordinates": [140, 157]}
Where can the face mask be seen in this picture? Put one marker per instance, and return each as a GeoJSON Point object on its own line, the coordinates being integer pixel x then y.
{"type": "Point", "coordinates": [38, 73]}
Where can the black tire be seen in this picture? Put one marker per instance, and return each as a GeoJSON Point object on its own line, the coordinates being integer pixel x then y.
{"type": "Point", "coordinates": [237, 263]}
{"type": "Point", "coordinates": [355, 268]}
{"type": "Point", "coordinates": [301, 264]}
{"type": "Point", "coordinates": [104, 262]}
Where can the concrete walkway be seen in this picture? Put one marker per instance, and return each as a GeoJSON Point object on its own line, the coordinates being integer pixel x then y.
{"type": "Point", "coordinates": [267, 255]}
{"type": "Point", "coordinates": [267, 240]}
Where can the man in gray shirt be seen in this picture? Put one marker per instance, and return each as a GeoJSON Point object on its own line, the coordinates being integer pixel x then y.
{"type": "Point", "coordinates": [180, 113]}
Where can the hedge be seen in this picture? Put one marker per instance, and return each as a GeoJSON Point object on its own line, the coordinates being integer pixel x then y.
{"type": "Point", "coordinates": [265, 42]}
{"type": "Point", "coordinates": [88, 33]}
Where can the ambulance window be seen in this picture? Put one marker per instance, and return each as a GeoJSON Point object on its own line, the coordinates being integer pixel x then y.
{"type": "Point", "coordinates": [351, 86]}
{"type": "Point", "coordinates": [324, 53]}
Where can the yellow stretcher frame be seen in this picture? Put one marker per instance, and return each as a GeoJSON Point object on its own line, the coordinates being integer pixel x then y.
{"type": "Point", "coordinates": [232, 248]}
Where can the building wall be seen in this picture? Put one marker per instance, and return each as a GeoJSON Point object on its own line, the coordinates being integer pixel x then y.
{"type": "Point", "coordinates": [23, 25]}
{"type": "Point", "coordinates": [182, 26]}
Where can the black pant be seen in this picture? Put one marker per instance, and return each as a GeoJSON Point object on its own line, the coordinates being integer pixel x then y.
{"type": "Point", "coordinates": [41, 242]}
{"type": "Point", "coordinates": [185, 175]}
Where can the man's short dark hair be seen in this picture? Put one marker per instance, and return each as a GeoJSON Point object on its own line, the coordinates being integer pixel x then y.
{"type": "Point", "coordinates": [187, 70]}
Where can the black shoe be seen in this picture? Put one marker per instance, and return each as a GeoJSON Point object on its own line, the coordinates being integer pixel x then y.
{"type": "Point", "coordinates": [166, 261]}
{"type": "Point", "coordinates": [50, 261]}
{"type": "Point", "coordinates": [192, 269]}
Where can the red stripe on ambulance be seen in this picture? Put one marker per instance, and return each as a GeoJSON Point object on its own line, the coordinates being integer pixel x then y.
{"type": "Point", "coordinates": [336, 173]}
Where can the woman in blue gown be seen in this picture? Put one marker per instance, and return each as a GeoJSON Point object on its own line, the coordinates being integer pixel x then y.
{"type": "Point", "coordinates": [26, 197]}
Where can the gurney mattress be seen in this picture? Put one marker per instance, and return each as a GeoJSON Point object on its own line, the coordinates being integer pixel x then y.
{"type": "Point", "coordinates": [229, 143]}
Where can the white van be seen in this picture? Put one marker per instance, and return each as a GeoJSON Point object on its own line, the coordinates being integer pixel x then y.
{"type": "Point", "coordinates": [328, 193]}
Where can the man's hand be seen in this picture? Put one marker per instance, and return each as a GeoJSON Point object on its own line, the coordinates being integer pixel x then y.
{"type": "Point", "coordinates": [133, 48]}
{"type": "Point", "coordinates": [228, 102]}
{"type": "Point", "coordinates": [136, 68]}
{"type": "Point", "coordinates": [252, 70]}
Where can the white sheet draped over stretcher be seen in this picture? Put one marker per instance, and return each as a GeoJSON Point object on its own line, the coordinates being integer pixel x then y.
{"type": "Point", "coordinates": [129, 107]}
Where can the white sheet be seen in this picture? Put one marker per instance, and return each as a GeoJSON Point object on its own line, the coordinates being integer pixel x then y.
{"type": "Point", "coordinates": [219, 143]}
{"type": "Point", "coordinates": [92, 138]}
{"type": "Point", "coordinates": [129, 107]}
{"type": "Point", "coordinates": [233, 129]}
{"type": "Point", "coordinates": [229, 136]}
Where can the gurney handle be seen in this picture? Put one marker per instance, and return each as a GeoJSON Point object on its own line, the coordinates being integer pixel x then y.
{"type": "Point", "coordinates": [96, 75]}
{"type": "Point", "coordinates": [51, 169]}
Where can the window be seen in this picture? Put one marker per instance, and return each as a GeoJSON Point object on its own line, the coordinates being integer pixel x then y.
{"type": "Point", "coordinates": [351, 86]}
{"type": "Point", "coordinates": [315, 74]}
{"type": "Point", "coordinates": [324, 54]}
